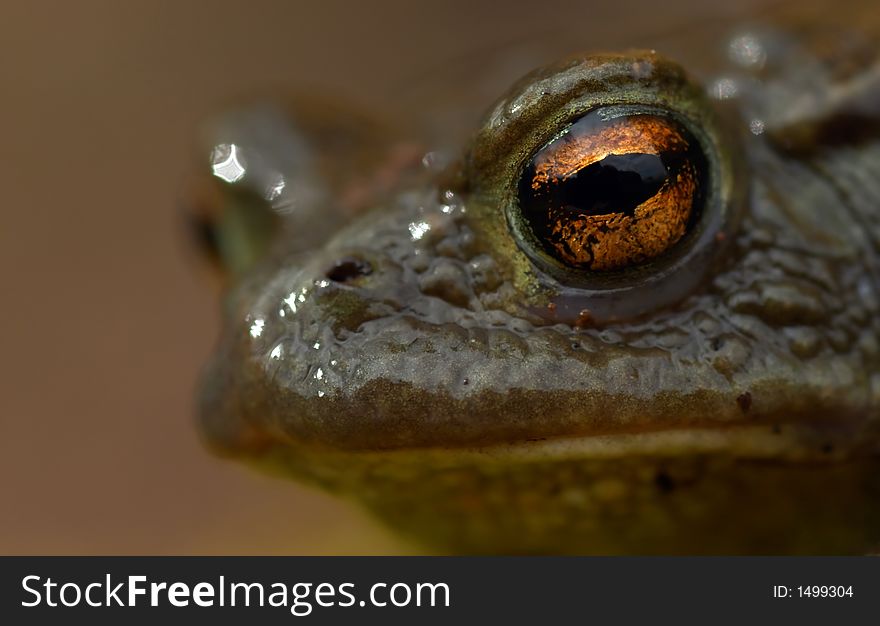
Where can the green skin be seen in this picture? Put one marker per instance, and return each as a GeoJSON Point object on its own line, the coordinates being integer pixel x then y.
{"type": "Point", "coordinates": [721, 399]}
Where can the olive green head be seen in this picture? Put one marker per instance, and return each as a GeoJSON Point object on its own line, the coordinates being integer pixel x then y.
{"type": "Point", "coordinates": [624, 263]}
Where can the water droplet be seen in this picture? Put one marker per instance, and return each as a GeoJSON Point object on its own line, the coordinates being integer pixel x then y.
{"type": "Point", "coordinates": [724, 89]}
{"type": "Point", "coordinates": [747, 51]}
{"type": "Point", "coordinates": [225, 162]}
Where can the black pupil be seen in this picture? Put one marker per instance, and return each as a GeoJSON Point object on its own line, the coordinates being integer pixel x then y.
{"type": "Point", "coordinates": [616, 184]}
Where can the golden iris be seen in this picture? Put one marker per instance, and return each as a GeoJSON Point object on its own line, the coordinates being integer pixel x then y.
{"type": "Point", "coordinates": [613, 191]}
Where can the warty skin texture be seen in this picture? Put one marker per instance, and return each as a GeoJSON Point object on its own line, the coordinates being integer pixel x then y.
{"type": "Point", "coordinates": [413, 354]}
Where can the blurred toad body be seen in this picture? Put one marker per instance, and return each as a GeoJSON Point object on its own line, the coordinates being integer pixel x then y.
{"type": "Point", "coordinates": [637, 314]}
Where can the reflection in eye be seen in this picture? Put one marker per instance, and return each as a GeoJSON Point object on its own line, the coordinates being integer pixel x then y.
{"type": "Point", "coordinates": [613, 192]}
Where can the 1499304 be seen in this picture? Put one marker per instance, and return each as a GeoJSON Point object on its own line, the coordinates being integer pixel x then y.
{"type": "Point", "coordinates": [825, 591]}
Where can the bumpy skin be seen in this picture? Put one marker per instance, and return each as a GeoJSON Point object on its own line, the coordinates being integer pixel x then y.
{"type": "Point", "coordinates": [410, 352]}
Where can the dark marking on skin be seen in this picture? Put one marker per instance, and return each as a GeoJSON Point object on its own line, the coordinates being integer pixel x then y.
{"type": "Point", "coordinates": [744, 401]}
{"type": "Point", "coordinates": [348, 269]}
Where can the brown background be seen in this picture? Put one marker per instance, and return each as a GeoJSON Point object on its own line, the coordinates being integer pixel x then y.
{"type": "Point", "coordinates": [105, 317]}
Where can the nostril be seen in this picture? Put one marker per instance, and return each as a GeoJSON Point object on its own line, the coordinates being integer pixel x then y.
{"type": "Point", "coordinates": [348, 268]}
{"type": "Point", "coordinates": [664, 482]}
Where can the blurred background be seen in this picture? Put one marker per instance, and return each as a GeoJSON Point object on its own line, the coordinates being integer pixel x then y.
{"type": "Point", "coordinates": [107, 317]}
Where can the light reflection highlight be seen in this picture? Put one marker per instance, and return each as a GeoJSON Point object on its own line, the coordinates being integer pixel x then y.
{"type": "Point", "coordinates": [257, 327]}
{"type": "Point", "coordinates": [225, 162]}
{"type": "Point", "coordinates": [418, 229]}
{"type": "Point", "coordinates": [290, 301]}
{"type": "Point", "coordinates": [275, 187]}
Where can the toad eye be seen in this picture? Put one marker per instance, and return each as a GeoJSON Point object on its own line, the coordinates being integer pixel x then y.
{"type": "Point", "coordinates": [607, 184]}
{"type": "Point", "coordinates": [613, 190]}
